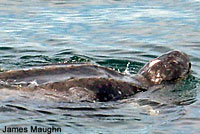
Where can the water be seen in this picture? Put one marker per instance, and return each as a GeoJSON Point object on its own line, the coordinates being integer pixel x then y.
{"type": "Point", "coordinates": [112, 34]}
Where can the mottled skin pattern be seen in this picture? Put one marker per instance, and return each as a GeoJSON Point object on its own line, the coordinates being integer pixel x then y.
{"type": "Point", "coordinates": [86, 82]}
{"type": "Point", "coordinates": [167, 67]}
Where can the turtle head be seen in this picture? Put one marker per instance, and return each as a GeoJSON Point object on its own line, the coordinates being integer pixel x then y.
{"type": "Point", "coordinates": [168, 67]}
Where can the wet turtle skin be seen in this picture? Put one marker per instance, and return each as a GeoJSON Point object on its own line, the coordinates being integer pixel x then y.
{"type": "Point", "coordinates": [87, 82]}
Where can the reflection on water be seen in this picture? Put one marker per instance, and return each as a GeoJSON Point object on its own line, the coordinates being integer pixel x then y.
{"type": "Point", "coordinates": [111, 33]}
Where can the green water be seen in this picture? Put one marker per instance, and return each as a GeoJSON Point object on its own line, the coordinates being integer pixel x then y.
{"type": "Point", "coordinates": [110, 33]}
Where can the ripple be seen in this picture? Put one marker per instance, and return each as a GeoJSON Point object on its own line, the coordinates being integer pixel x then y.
{"type": "Point", "coordinates": [77, 108]}
{"type": "Point", "coordinates": [69, 52]}
{"type": "Point", "coordinates": [45, 112]}
{"type": "Point", "coordinates": [6, 48]}
{"type": "Point", "coordinates": [6, 109]}
{"type": "Point", "coordinates": [17, 107]}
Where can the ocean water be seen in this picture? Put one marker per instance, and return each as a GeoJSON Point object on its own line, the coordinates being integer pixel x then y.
{"type": "Point", "coordinates": [111, 33]}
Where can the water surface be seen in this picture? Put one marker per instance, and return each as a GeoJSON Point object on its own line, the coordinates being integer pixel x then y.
{"type": "Point", "coordinates": [111, 33]}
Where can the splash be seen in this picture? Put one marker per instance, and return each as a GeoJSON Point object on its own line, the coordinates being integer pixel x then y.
{"type": "Point", "coordinates": [126, 71]}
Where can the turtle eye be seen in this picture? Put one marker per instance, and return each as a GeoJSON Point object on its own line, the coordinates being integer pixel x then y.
{"type": "Point", "coordinates": [189, 67]}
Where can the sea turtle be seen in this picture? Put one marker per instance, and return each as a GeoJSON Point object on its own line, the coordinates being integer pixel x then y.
{"type": "Point", "coordinates": [90, 82]}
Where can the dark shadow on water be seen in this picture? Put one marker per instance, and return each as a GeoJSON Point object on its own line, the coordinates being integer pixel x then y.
{"type": "Point", "coordinates": [183, 92]}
